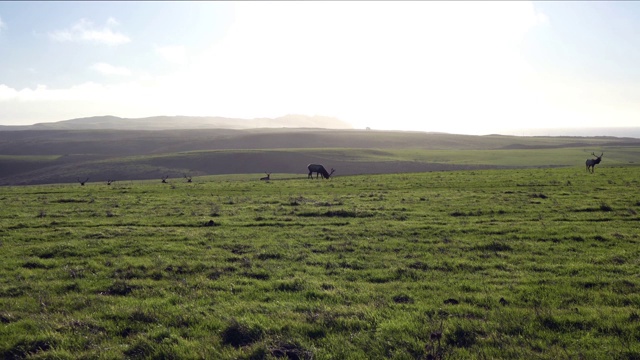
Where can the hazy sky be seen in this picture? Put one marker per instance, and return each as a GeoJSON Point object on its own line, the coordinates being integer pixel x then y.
{"type": "Point", "coordinates": [462, 67]}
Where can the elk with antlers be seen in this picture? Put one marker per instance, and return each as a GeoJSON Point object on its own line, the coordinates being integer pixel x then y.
{"type": "Point", "coordinates": [591, 163]}
{"type": "Point", "coordinates": [164, 179]}
{"type": "Point", "coordinates": [319, 170]}
{"type": "Point", "coordinates": [109, 181]}
{"type": "Point", "coordinates": [266, 178]}
{"type": "Point", "coordinates": [82, 182]}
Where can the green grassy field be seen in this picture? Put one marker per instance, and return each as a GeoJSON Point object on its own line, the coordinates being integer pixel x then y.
{"type": "Point", "coordinates": [527, 264]}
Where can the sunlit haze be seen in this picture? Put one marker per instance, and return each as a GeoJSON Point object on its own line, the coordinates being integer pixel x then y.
{"type": "Point", "coordinates": [452, 66]}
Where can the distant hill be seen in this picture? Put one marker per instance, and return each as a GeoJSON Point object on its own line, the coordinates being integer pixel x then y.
{"type": "Point", "coordinates": [185, 122]}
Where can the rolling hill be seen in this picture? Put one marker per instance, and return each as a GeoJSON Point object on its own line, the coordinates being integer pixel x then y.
{"type": "Point", "coordinates": [84, 148]}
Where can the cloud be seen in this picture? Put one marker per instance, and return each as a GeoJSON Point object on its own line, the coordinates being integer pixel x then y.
{"type": "Point", "coordinates": [372, 61]}
{"type": "Point", "coordinates": [112, 22]}
{"type": "Point", "coordinates": [7, 93]}
{"type": "Point", "coordinates": [2, 24]}
{"type": "Point", "coordinates": [43, 104]}
{"type": "Point", "coordinates": [173, 54]}
{"type": "Point", "coordinates": [85, 31]}
{"type": "Point", "coordinates": [435, 66]}
{"type": "Point", "coordinates": [378, 64]}
{"type": "Point", "coordinates": [108, 69]}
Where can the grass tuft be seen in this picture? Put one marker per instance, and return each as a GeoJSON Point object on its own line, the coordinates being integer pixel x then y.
{"type": "Point", "coordinates": [461, 337]}
{"type": "Point", "coordinates": [494, 246]}
{"type": "Point", "coordinates": [290, 350]}
{"type": "Point", "coordinates": [27, 348]}
{"type": "Point", "coordinates": [403, 299]}
{"type": "Point", "coordinates": [605, 207]}
{"type": "Point", "coordinates": [119, 288]}
{"type": "Point", "coordinates": [237, 334]}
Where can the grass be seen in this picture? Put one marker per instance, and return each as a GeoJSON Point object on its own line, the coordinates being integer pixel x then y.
{"type": "Point", "coordinates": [535, 263]}
{"type": "Point", "coordinates": [490, 157]}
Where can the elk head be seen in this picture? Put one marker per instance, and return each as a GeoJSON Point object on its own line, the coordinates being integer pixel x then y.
{"type": "Point", "coordinates": [591, 163]}
{"type": "Point", "coordinates": [188, 178]}
{"type": "Point", "coordinates": [109, 182]}
{"type": "Point", "coordinates": [164, 179]}
{"type": "Point", "coordinates": [82, 182]}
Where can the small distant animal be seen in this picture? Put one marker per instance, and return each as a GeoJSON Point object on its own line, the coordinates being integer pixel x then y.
{"type": "Point", "coordinates": [164, 179]}
{"type": "Point", "coordinates": [109, 181]}
{"type": "Point", "coordinates": [319, 170]}
{"type": "Point", "coordinates": [266, 178]}
{"type": "Point", "coordinates": [188, 178]}
{"type": "Point", "coordinates": [591, 163]}
{"type": "Point", "coordinates": [82, 182]}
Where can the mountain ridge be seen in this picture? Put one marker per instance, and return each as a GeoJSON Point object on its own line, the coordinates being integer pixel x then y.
{"type": "Point", "coordinates": [163, 122]}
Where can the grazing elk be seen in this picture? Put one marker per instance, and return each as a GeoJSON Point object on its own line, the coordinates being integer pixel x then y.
{"type": "Point", "coordinates": [266, 178]}
{"type": "Point", "coordinates": [591, 163]}
{"type": "Point", "coordinates": [188, 178]}
{"type": "Point", "coordinates": [82, 182]}
{"type": "Point", "coordinates": [319, 170]}
{"type": "Point", "coordinates": [164, 179]}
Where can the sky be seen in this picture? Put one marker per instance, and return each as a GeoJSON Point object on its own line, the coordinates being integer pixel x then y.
{"type": "Point", "coordinates": [452, 66]}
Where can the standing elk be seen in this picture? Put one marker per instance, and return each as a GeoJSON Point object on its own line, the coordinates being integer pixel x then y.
{"type": "Point", "coordinates": [591, 163]}
{"type": "Point", "coordinates": [266, 178]}
{"type": "Point", "coordinates": [319, 170]}
{"type": "Point", "coordinates": [82, 182]}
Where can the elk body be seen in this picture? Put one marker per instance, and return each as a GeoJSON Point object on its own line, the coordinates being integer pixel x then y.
{"type": "Point", "coordinates": [591, 163]}
{"type": "Point", "coordinates": [266, 178]}
{"type": "Point", "coordinates": [319, 170]}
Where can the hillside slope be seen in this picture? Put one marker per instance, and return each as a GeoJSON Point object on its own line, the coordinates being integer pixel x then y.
{"type": "Point", "coordinates": [54, 156]}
